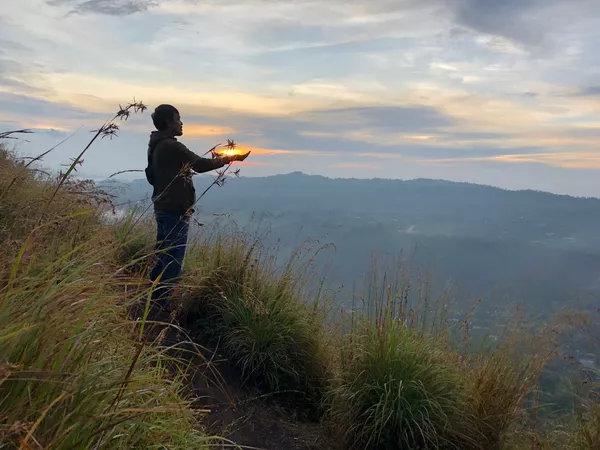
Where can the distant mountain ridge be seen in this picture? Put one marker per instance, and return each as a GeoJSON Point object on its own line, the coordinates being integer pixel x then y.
{"type": "Point", "coordinates": [530, 246]}
{"type": "Point", "coordinates": [200, 179]}
{"type": "Point", "coordinates": [436, 207]}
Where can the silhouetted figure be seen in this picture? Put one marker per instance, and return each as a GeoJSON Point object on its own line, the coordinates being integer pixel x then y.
{"type": "Point", "coordinates": [170, 168]}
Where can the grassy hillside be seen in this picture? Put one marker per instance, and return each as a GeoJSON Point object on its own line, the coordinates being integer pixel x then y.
{"type": "Point", "coordinates": [79, 370]}
{"type": "Point", "coordinates": [76, 372]}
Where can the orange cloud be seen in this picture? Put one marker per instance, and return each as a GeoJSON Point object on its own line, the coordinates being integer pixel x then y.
{"type": "Point", "coordinates": [270, 151]}
{"type": "Point", "coordinates": [196, 96]}
{"type": "Point", "coordinates": [42, 124]}
{"type": "Point", "coordinates": [260, 164]}
{"type": "Point", "coordinates": [201, 130]}
{"type": "Point", "coordinates": [576, 160]}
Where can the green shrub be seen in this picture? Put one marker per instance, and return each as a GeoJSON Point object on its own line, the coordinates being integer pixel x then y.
{"type": "Point", "coordinates": [399, 389]}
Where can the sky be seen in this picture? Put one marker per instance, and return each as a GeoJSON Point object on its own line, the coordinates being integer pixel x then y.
{"type": "Point", "coordinates": [500, 92]}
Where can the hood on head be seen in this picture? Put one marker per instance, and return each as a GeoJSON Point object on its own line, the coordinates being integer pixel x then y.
{"type": "Point", "coordinates": [156, 137]}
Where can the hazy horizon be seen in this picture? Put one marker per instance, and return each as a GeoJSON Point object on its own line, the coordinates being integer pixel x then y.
{"type": "Point", "coordinates": [138, 177]}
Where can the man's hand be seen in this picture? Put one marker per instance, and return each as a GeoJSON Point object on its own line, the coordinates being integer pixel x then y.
{"type": "Point", "coordinates": [232, 158]}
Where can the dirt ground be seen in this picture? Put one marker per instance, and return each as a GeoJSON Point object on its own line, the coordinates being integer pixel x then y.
{"type": "Point", "coordinates": [245, 418]}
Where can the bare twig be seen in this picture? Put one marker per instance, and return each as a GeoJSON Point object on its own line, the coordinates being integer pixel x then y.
{"type": "Point", "coordinates": [9, 134]}
{"type": "Point", "coordinates": [221, 174]}
{"type": "Point", "coordinates": [125, 171]}
{"type": "Point", "coordinates": [109, 128]}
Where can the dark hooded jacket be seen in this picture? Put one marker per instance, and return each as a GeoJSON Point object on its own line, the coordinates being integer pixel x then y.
{"type": "Point", "coordinates": [169, 172]}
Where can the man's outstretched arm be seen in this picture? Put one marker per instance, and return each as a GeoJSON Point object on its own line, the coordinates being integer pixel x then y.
{"type": "Point", "coordinates": [201, 165]}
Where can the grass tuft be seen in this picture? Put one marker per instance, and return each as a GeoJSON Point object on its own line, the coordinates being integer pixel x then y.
{"type": "Point", "coordinates": [407, 380]}
{"type": "Point", "coordinates": [397, 389]}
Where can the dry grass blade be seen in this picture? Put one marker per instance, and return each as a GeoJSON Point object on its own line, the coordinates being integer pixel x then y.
{"type": "Point", "coordinates": [24, 442]}
{"type": "Point", "coordinates": [11, 134]}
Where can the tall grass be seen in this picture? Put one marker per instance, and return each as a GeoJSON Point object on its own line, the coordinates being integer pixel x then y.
{"type": "Point", "coordinates": [25, 209]}
{"type": "Point", "coordinates": [398, 389]}
{"type": "Point", "coordinates": [75, 372]}
{"type": "Point", "coordinates": [582, 431]}
{"type": "Point", "coordinates": [397, 385]}
{"type": "Point", "coordinates": [252, 311]}
{"type": "Point", "coordinates": [135, 239]}
{"type": "Point", "coordinates": [405, 381]}
{"type": "Point", "coordinates": [75, 375]}
{"type": "Point", "coordinates": [585, 431]}
{"type": "Point", "coordinates": [500, 381]}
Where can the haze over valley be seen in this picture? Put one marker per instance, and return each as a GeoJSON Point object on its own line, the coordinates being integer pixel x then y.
{"type": "Point", "coordinates": [505, 247]}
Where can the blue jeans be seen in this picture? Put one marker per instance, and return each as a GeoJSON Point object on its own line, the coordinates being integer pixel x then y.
{"type": "Point", "coordinates": [171, 240]}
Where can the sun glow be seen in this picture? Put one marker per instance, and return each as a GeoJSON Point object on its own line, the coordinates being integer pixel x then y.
{"type": "Point", "coordinates": [230, 152]}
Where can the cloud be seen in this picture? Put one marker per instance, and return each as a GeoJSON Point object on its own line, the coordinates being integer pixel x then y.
{"type": "Point", "coordinates": [397, 118]}
{"type": "Point", "coordinates": [22, 105]}
{"type": "Point", "coordinates": [416, 132]}
{"type": "Point", "coordinates": [53, 133]}
{"type": "Point", "coordinates": [108, 7]}
{"type": "Point", "coordinates": [353, 166]}
{"type": "Point", "coordinates": [331, 129]}
{"type": "Point", "coordinates": [11, 69]}
{"type": "Point", "coordinates": [280, 152]}
{"type": "Point", "coordinates": [531, 23]}
{"type": "Point", "coordinates": [12, 76]}
{"type": "Point", "coordinates": [288, 32]}
{"type": "Point", "coordinates": [578, 161]}
{"type": "Point", "coordinates": [590, 91]}
{"type": "Point", "coordinates": [53, 119]}
{"type": "Point", "coordinates": [544, 28]}
{"type": "Point", "coordinates": [197, 130]}
{"type": "Point", "coordinates": [506, 18]}
{"type": "Point", "coordinates": [7, 45]}
{"type": "Point", "coordinates": [9, 83]}
{"type": "Point", "coordinates": [275, 23]}
{"type": "Point", "coordinates": [261, 164]}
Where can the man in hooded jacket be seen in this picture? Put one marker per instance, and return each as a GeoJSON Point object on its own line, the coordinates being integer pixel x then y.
{"type": "Point", "coordinates": [169, 171]}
